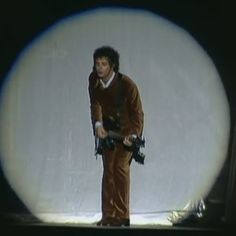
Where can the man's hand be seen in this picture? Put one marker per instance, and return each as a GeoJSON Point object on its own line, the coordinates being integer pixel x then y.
{"type": "Point", "coordinates": [101, 132]}
{"type": "Point", "coordinates": [128, 140]}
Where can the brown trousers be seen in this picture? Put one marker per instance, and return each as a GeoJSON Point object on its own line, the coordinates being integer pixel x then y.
{"type": "Point", "coordinates": [116, 183]}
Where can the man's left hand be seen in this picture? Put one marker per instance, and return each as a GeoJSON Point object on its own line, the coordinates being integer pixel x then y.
{"type": "Point", "coordinates": [128, 140]}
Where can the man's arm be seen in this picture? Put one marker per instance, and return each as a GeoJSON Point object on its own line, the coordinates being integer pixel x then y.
{"type": "Point", "coordinates": [135, 109]}
{"type": "Point", "coordinates": [95, 109]}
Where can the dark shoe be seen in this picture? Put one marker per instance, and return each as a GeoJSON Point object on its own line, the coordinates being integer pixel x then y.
{"type": "Point", "coordinates": [106, 221]}
{"type": "Point", "coordinates": [121, 222]}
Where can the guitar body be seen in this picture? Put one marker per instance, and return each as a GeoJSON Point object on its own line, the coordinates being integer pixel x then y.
{"type": "Point", "coordinates": [113, 137]}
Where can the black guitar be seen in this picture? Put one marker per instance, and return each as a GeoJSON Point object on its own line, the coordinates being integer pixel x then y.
{"type": "Point", "coordinates": [113, 137]}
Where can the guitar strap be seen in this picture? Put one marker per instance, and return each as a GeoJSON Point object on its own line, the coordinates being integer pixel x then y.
{"type": "Point", "coordinates": [120, 98]}
{"type": "Point", "coordinates": [119, 101]}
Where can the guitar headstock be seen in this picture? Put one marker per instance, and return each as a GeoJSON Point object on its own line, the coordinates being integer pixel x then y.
{"type": "Point", "coordinates": [139, 141]}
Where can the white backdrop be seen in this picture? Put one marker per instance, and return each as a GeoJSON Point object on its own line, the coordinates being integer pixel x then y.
{"type": "Point", "coordinates": [47, 146]}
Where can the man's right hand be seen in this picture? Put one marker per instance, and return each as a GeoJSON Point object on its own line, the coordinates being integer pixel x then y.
{"type": "Point", "coordinates": [101, 132]}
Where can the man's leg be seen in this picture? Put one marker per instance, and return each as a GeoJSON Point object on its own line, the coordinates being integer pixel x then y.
{"type": "Point", "coordinates": [122, 183]}
{"type": "Point", "coordinates": [108, 209]}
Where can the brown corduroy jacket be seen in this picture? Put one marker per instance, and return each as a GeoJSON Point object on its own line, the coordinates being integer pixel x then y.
{"type": "Point", "coordinates": [103, 103]}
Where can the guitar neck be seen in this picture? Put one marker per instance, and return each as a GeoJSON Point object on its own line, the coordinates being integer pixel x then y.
{"type": "Point", "coordinates": [138, 142]}
{"type": "Point", "coordinates": [115, 135]}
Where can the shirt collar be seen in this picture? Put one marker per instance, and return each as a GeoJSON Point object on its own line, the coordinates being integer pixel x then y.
{"type": "Point", "coordinates": [106, 85]}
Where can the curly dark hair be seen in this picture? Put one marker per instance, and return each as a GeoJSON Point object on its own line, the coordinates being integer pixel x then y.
{"type": "Point", "coordinates": [108, 52]}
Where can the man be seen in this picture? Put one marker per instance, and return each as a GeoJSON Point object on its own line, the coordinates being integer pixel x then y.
{"type": "Point", "coordinates": [114, 97]}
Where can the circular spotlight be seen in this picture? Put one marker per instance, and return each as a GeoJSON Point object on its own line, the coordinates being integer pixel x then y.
{"type": "Point", "coordinates": [47, 146]}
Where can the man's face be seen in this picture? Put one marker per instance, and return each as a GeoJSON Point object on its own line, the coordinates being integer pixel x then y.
{"type": "Point", "coordinates": [103, 68]}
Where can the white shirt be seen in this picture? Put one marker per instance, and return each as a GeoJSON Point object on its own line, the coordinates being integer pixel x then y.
{"type": "Point", "coordinates": [106, 85]}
